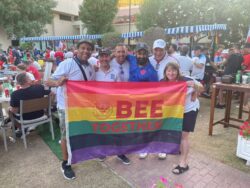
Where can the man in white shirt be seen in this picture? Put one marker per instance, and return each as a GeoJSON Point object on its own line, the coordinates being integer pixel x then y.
{"type": "Point", "coordinates": [185, 62]}
{"type": "Point", "coordinates": [69, 69]}
{"type": "Point", "coordinates": [160, 57]}
{"type": "Point", "coordinates": [105, 73]}
{"type": "Point", "coordinates": [119, 63]}
{"type": "Point", "coordinates": [172, 51]}
{"type": "Point", "coordinates": [199, 61]}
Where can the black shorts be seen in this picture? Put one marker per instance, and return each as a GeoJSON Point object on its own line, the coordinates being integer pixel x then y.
{"type": "Point", "coordinates": [189, 121]}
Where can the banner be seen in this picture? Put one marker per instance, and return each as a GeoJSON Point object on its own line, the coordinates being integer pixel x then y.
{"type": "Point", "coordinates": [112, 118]}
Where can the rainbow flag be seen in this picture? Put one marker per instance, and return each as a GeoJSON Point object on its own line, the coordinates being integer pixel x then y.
{"type": "Point", "coordinates": [112, 118]}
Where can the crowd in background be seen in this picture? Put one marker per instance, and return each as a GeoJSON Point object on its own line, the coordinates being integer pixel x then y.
{"type": "Point", "coordinates": [165, 62]}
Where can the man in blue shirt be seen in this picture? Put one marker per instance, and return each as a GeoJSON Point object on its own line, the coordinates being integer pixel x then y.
{"type": "Point", "coordinates": [140, 69]}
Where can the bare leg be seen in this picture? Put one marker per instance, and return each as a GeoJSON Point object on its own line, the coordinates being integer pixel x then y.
{"type": "Point", "coordinates": [184, 149]}
{"type": "Point", "coordinates": [64, 149]}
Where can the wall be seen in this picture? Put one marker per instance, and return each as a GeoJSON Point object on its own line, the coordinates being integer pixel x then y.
{"type": "Point", "coordinates": [4, 41]}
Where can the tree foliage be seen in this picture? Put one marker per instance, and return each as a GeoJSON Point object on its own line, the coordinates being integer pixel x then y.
{"type": "Point", "coordinates": [172, 13]}
{"type": "Point", "coordinates": [153, 33]}
{"type": "Point", "coordinates": [111, 39]}
{"type": "Point", "coordinates": [21, 18]}
{"type": "Point", "coordinates": [98, 15]}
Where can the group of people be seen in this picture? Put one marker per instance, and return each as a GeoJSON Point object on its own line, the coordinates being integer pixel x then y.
{"type": "Point", "coordinates": [116, 65]}
{"type": "Point", "coordinates": [121, 67]}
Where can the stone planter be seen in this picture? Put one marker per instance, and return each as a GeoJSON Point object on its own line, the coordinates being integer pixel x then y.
{"type": "Point", "coordinates": [243, 149]}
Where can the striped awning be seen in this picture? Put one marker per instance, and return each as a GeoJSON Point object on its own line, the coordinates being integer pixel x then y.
{"type": "Point", "coordinates": [132, 34]}
{"type": "Point", "coordinates": [195, 29]}
{"type": "Point", "coordinates": [74, 37]}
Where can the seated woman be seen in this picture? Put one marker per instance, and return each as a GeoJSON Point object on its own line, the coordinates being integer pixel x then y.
{"type": "Point", "coordinates": [172, 74]}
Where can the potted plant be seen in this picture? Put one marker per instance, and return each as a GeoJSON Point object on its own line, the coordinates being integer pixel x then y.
{"type": "Point", "coordinates": [243, 146]}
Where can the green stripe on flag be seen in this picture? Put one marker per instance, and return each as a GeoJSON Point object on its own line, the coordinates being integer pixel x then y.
{"type": "Point", "coordinates": [124, 127]}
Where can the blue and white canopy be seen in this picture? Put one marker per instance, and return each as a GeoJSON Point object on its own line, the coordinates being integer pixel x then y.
{"type": "Point", "coordinates": [169, 31]}
{"type": "Point", "coordinates": [132, 34]}
{"type": "Point", "coordinates": [74, 37]}
{"type": "Point", "coordinates": [195, 29]}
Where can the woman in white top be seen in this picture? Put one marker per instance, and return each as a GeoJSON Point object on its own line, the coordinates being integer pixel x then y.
{"type": "Point", "coordinates": [192, 105]}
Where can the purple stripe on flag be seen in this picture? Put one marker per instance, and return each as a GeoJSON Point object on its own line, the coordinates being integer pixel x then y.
{"type": "Point", "coordinates": [100, 151]}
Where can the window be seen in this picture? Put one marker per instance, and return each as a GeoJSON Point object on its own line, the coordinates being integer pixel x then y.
{"type": "Point", "coordinates": [65, 17]}
{"type": "Point", "coordinates": [76, 18]}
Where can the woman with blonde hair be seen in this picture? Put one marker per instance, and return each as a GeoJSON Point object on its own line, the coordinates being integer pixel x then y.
{"type": "Point", "coordinates": [191, 108]}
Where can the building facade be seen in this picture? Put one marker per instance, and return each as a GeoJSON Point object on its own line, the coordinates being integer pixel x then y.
{"type": "Point", "coordinates": [66, 20]}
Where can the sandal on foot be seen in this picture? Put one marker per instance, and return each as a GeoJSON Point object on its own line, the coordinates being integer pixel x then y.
{"type": "Point", "coordinates": [179, 170]}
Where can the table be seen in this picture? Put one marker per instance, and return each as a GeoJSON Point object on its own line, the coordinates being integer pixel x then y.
{"type": "Point", "coordinates": [229, 88]}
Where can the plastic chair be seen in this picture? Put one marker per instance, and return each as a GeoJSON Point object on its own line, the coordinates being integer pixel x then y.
{"type": "Point", "coordinates": [33, 105]}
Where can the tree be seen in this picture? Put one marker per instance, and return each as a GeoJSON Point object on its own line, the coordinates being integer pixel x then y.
{"type": "Point", "coordinates": [98, 15]}
{"type": "Point", "coordinates": [151, 34]}
{"type": "Point", "coordinates": [148, 16]}
{"type": "Point", "coordinates": [172, 13]}
{"type": "Point", "coordinates": [110, 40]}
{"type": "Point", "coordinates": [21, 18]}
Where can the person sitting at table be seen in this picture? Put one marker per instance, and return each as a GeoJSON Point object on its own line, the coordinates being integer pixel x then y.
{"type": "Point", "coordinates": [26, 92]}
{"type": "Point", "coordinates": [232, 65]}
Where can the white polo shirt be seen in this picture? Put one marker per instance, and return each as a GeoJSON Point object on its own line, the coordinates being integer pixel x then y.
{"type": "Point", "coordinates": [71, 70]}
{"type": "Point", "coordinates": [189, 104]}
{"type": "Point", "coordinates": [198, 73]}
{"type": "Point", "coordinates": [121, 69]}
{"type": "Point", "coordinates": [186, 65]}
{"type": "Point", "coordinates": [159, 67]}
{"type": "Point", "coordinates": [109, 76]}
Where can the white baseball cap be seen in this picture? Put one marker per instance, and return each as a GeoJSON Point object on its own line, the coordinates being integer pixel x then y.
{"type": "Point", "coordinates": [159, 43]}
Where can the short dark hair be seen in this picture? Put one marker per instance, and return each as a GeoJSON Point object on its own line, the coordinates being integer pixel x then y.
{"type": "Point", "coordinates": [85, 42]}
{"type": "Point", "coordinates": [197, 48]}
{"type": "Point", "coordinates": [174, 46]}
{"type": "Point", "coordinates": [184, 50]}
{"type": "Point", "coordinates": [21, 78]}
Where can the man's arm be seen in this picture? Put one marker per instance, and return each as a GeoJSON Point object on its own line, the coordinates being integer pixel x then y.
{"type": "Point", "coordinates": [55, 83]}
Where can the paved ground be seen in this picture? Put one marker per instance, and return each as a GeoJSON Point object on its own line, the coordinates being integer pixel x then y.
{"type": "Point", "coordinates": [38, 167]}
{"type": "Point", "coordinates": [204, 172]}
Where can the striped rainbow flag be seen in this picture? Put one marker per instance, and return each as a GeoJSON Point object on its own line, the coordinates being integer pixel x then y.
{"type": "Point", "coordinates": [108, 118]}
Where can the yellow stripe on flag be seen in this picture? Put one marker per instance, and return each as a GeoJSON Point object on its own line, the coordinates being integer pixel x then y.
{"type": "Point", "coordinates": [94, 114]}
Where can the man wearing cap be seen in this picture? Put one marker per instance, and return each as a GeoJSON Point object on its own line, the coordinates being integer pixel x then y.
{"type": "Point", "coordinates": [119, 63]}
{"type": "Point", "coordinates": [105, 73]}
{"type": "Point", "coordinates": [199, 61]}
{"type": "Point", "coordinates": [140, 69]}
{"type": "Point", "coordinates": [160, 57]}
{"type": "Point", "coordinates": [77, 68]}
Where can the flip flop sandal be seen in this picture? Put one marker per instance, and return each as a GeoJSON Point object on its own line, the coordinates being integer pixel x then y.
{"type": "Point", "coordinates": [179, 170]}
